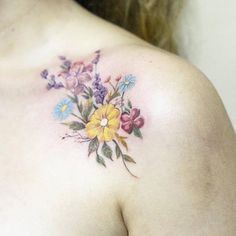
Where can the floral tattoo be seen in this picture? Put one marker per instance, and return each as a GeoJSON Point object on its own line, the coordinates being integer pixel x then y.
{"type": "Point", "coordinates": [96, 111]}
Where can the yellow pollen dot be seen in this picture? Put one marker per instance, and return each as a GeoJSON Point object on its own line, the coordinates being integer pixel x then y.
{"type": "Point", "coordinates": [63, 109]}
{"type": "Point", "coordinates": [126, 82]}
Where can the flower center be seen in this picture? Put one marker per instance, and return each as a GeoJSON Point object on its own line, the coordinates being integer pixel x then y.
{"type": "Point", "coordinates": [63, 109]}
{"type": "Point", "coordinates": [104, 122]}
{"type": "Point", "coordinates": [126, 82]}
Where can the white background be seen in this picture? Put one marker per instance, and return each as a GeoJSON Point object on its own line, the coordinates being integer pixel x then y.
{"type": "Point", "coordinates": [208, 39]}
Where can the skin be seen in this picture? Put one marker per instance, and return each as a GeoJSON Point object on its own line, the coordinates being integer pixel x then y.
{"type": "Point", "coordinates": [186, 162]}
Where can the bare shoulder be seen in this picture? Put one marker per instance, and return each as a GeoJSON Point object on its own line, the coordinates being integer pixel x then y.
{"type": "Point", "coordinates": [174, 94]}
{"type": "Point", "coordinates": [186, 160]}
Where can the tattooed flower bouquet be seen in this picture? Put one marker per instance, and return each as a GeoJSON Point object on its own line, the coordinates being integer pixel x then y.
{"type": "Point", "coordinates": [96, 111]}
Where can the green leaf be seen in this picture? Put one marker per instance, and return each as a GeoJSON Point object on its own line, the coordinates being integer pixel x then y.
{"type": "Point", "coordinates": [86, 93]}
{"type": "Point", "coordinates": [90, 92]}
{"type": "Point", "coordinates": [127, 110]}
{"type": "Point", "coordinates": [93, 146]}
{"type": "Point", "coordinates": [107, 151]}
{"type": "Point", "coordinates": [75, 125]}
{"type": "Point", "coordinates": [137, 133]}
{"type": "Point", "coordinates": [130, 104]}
{"type": "Point", "coordinates": [80, 108]}
{"type": "Point", "coordinates": [114, 95]}
{"type": "Point", "coordinates": [73, 98]}
{"type": "Point", "coordinates": [118, 151]}
{"type": "Point", "coordinates": [121, 139]}
{"type": "Point", "coordinates": [63, 67]}
{"type": "Point", "coordinates": [100, 160]}
{"type": "Point", "coordinates": [85, 96]}
{"type": "Point", "coordinates": [87, 109]}
{"type": "Point", "coordinates": [128, 158]}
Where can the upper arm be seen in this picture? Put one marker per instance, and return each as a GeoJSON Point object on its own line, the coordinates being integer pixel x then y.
{"type": "Point", "coordinates": [186, 163]}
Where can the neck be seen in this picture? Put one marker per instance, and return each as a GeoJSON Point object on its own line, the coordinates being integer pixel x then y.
{"type": "Point", "coordinates": [34, 32]}
{"type": "Point", "coordinates": [27, 25]}
{"type": "Point", "coordinates": [12, 11]}
{"type": "Point", "coordinates": [29, 28]}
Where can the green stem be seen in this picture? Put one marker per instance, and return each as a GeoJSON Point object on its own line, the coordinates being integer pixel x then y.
{"type": "Point", "coordinates": [79, 118]}
{"type": "Point", "coordinates": [117, 84]}
{"type": "Point", "coordinates": [122, 101]}
{"type": "Point", "coordinates": [112, 86]}
{"type": "Point", "coordinates": [124, 160]}
{"type": "Point", "coordinates": [114, 95]}
{"type": "Point", "coordinates": [95, 70]}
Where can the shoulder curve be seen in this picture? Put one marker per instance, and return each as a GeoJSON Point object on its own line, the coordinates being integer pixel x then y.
{"type": "Point", "coordinates": [174, 94]}
{"type": "Point", "coordinates": [157, 65]}
{"type": "Point", "coordinates": [188, 149]}
{"type": "Point", "coordinates": [165, 77]}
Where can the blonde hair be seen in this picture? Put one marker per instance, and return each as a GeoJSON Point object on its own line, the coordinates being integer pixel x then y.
{"type": "Point", "coordinates": [152, 20]}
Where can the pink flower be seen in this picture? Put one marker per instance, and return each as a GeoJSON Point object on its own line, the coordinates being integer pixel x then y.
{"type": "Point", "coordinates": [118, 78]}
{"type": "Point", "coordinates": [107, 80]}
{"type": "Point", "coordinates": [131, 120]}
{"type": "Point", "coordinates": [76, 76]}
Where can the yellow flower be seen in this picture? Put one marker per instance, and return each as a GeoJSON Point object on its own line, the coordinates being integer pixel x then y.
{"type": "Point", "coordinates": [104, 123]}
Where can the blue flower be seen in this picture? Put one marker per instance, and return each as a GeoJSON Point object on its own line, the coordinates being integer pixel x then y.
{"type": "Point", "coordinates": [63, 109]}
{"type": "Point", "coordinates": [126, 83]}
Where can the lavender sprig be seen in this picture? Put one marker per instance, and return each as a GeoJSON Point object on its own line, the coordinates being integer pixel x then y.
{"type": "Point", "coordinates": [44, 74]}
{"type": "Point", "coordinates": [100, 91]}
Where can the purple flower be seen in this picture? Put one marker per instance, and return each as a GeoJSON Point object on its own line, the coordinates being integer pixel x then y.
{"type": "Point", "coordinates": [62, 58]}
{"type": "Point", "coordinates": [76, 76]}
{"type": "Point", "coordinates": [52, 83]}
{"type": "Point", "coordinates": [44, 74]}
{"type": "Point", "coordinates": [100, 91]}
{"type": "Point", "coordinates": [67, 64]}
{"type": "Point", "coordinates": [97, 57]}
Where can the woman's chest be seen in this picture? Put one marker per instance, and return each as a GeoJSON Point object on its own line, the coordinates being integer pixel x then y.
{"type": "Point", "coordinates": [52, 201]}
{"type": "Point", "coordinates": [49, 186]}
